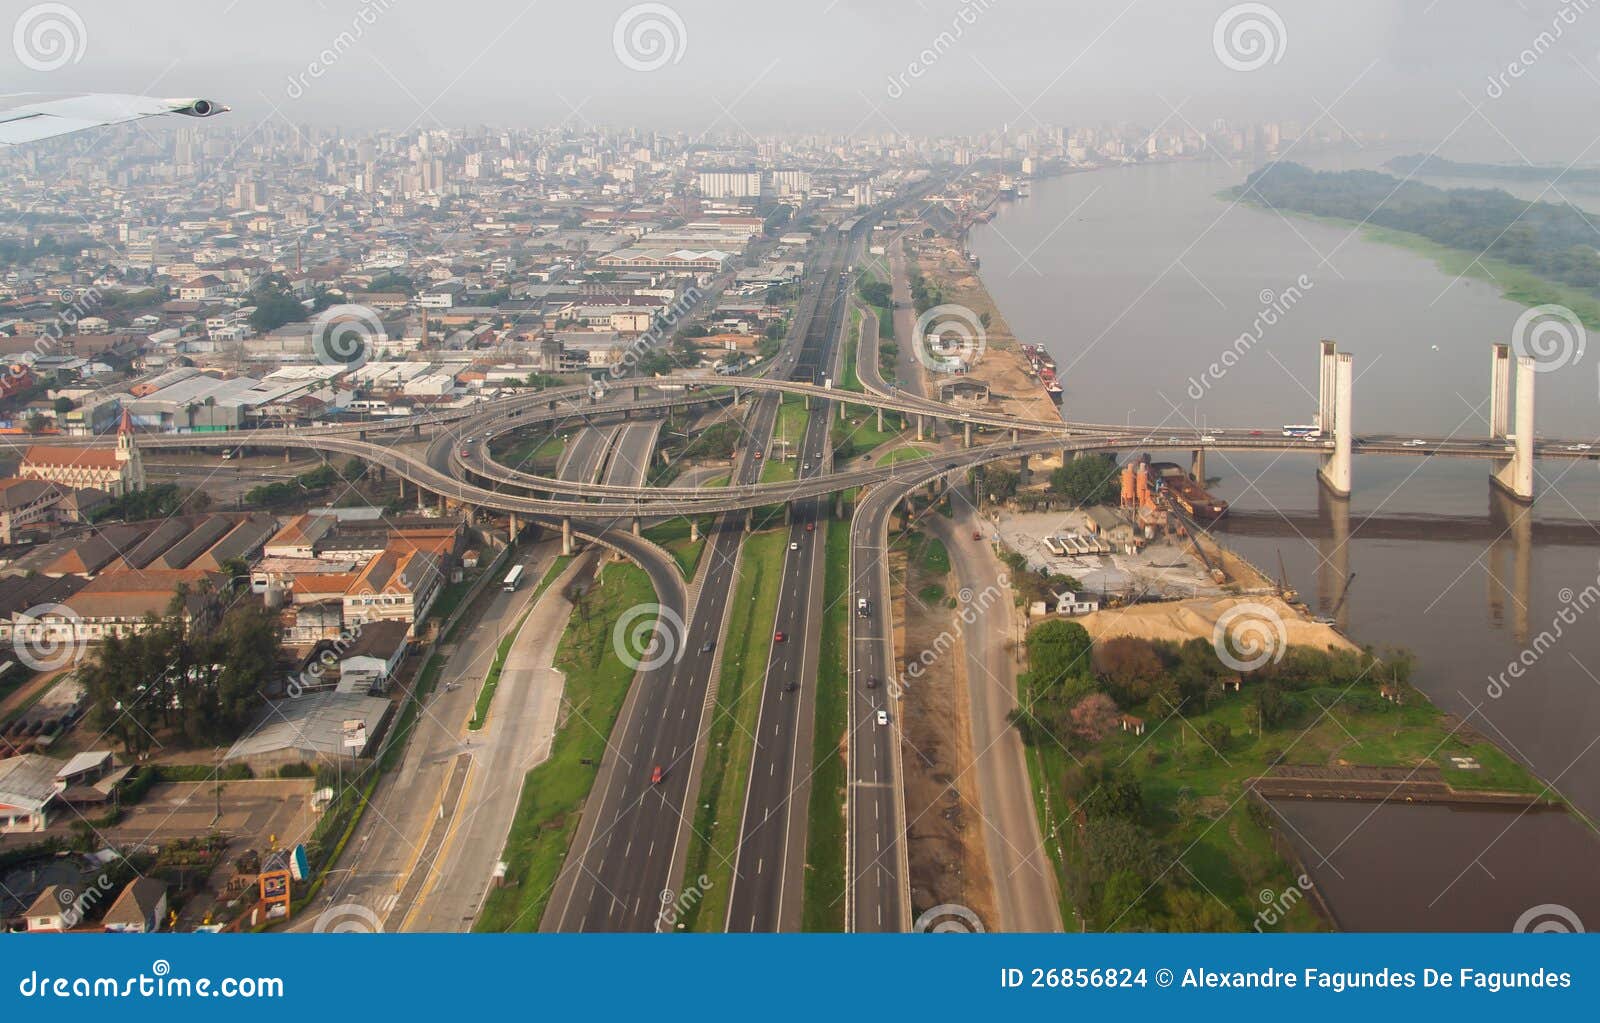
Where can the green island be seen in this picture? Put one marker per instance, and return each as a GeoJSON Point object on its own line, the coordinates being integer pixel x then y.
{"type": "Point", "coordinates": [1537, 253]}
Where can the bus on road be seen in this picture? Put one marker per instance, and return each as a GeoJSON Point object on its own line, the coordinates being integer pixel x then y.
{"type": "Point", "coordinates": [513, 577]}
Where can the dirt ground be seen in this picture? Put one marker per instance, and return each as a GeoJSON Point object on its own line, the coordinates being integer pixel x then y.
{"type": "Point", "coordinates": [945, 850]}
{"type": "Point", "coordinates": [1012, 390]}
{"type": "Point", "coordinates": [1181, 620]}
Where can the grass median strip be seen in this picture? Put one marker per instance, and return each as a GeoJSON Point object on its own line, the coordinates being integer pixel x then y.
{"type": "Point", "coordinates": [733, 725]}
{"type": "Point", "coordinates": [825, 880]}
{"type": "Point", "coordinates": [554, 792]}
{"type": "Point", "coordinates": [491, 681]}
{"type": "Point", "coordinates": [674, 536]}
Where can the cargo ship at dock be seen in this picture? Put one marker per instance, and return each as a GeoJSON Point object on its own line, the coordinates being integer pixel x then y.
{"type": "Point", "coordinates": [1191, 497]}
{"type": "Point", "coordinates": [1043, 367]}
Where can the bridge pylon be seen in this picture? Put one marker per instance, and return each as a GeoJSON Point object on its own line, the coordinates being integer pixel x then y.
{"type": "Point", "coordinates": [1338, 381]}
{"type": "Point", "coordinates": [1513, 474]}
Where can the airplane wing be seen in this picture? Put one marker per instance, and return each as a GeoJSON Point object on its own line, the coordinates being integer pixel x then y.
{"type": "Point", "coordinates": [29, 117]}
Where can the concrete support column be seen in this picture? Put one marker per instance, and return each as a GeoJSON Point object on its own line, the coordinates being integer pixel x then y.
{"type": "Point", "coordinates": [1024, 472]}
{"type": "Point", "coordinates": [966, 435]}
{"type": "Point", "coordinates": [1197, 466]}
{"type": "Point", "coordinates": [636, 391]}
{"type": "Point", "coordinates": [1515, 474]}
{"type": "Point", "coordinates": [1335, 471]}
{"type": "Point", "coordinates": [566, 536]}
{"type": "Point", "coordinates": [637, 530]}
{"type": "Point", "coordinates": [694, 530]}
{"type": "Point", "coordinates": [842, 416]}
{"type": "Point", "coordinates": [1016, 435]}
{"type": "Point", "coordinates": [880, 420]}
{"type": "Point", "coordinates": [515, 527]}
{"type": "Point", "coordinates": [788, 513]}
{"type": "Point", "coordinates": [919, 427]}
{"type": "Point", "coordinates": [1326, 373]}
{"type": "Point", "coordinates": [1499, 391]}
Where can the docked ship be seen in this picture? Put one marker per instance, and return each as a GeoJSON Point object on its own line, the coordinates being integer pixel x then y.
{"type": "Point", "coordinates": [1189, 496]}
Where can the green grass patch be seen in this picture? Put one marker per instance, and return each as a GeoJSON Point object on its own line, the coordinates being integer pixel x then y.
{"type": "Point", "coordinates": [674, 536]}
{"type": "Point", "coordinates": [849, 380]}
{"type": "Point", "coordinates": [905, 454]}
{"type": "Point", "coordinates": [858, 432]}
{"type": "Point", "coordinates": [935, 557]}
{"type": "Point", "coordinates": [727, 767]}
{"type": "Point", "coordinates": [553, 793]}
{"type": "Point", "coordinates": [825, 840]}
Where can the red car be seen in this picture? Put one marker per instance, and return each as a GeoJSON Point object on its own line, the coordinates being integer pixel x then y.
{"type": "Point", "coordinates": [811, 527]}
{"type": "Point", "coordinates": [655, 775]}
{"type": "Point", "coordinates": [977, 535]}
{"type": "Point", "coordinates": [778, 637]}
{"type": "Point", "coordinates": [758, 454]}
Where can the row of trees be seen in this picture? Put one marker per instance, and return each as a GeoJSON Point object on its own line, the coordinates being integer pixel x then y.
{"type": "Point", "coordinates": [193, 685]}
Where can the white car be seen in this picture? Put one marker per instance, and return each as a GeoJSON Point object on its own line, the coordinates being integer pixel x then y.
{"type": "Point", "coordinates": [1580, 447]}
{"type": "Point", "coordinates": [883, 717]}
{"type": "Point", "coordinates": [793, 545]}
{"type": "Point", "coordinates": [1415, 442]}
{"type": "Point", "coordinates": [1206, 438]}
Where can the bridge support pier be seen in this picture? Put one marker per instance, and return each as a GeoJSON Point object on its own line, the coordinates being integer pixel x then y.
{"type": "Point", "coordinates": [1338, 379]}
{"type": "Point", "coordinates": [880, 420]}
{"type": "Point", "coordinates": [514, 528]}
{"type": "Point", "coordinates": [1514, 475]}
{"type": "Point", "coordinates": [566, 537]}
{"type": "Point", "coordinates": [788, 513]}
{"type": "Point", "coordinates": [842, 416]}
{"type": "Point", "coordinates": [636, 390]}
{"type": "Point", "coordinates": [919, 427]}
{"type": "Point", "coordinates": [1016, 435]}
{"type": "Point", "coordinates": [1197, 466]}
{"type": "Point", "coordinates": [966, 435]}
{"type": "Point", "coordinates": [694, 530]}
{"type": "Point", "coordinates": [1023, 474]}
{"type": "Point", "coordinates": [637, 530]}
{"type": "Point", "coordinates": [416, 429]}
{"type": "Point", "coordinates": [1512, 521]}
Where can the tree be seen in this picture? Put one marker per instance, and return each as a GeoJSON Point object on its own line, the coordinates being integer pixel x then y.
{"type": "Point", "coordinates": [1059, 649]}
{"type": "Point", "coordinates": [1130, 666]}
{"type": "Point", "coordinates": [1094, 717]}
{"type": "Point", "coordinates": [64, 405]}
{"type": "Point", "coordinates": [1088, 480]}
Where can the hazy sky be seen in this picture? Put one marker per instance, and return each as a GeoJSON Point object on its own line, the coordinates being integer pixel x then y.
{"type": "Point", "coordinates": [1413, 67]}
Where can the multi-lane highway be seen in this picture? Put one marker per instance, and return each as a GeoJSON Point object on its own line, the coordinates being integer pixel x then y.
{"type": "Point", "coordinates": [769, 864]}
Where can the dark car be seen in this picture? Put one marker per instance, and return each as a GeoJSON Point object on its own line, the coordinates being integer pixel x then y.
{"type": "Point", "coordinates": [708, 646]}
